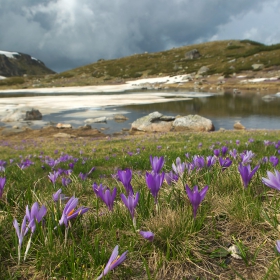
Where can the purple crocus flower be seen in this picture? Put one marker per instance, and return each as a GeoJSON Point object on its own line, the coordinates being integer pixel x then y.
{"type": "Point", "coordinates": [53, 176]}
{"type": "Point", "coordinates": [211, 160]}
{"type": "Point", "coordinates": [273, 181]}
{"type": "Point", "coordinates": [216, 152]}
{"type": "Point", "coordinates": [225, 163]}
{"type": "Point", "coordinates": [69, 211]}
{"type": "Point", "coordinates": [246, 173]}
{"type": "Point", "coordinates": [2, 185]}
{"type": "Point", "coordinates": [104, 193]}
{"type": "Point", "coordinates": [233, 153]}
{"type": "Point", "coordinates": [83, 176]}
{"type": "Point", "coordinates": [179, 167]}
{"type": "Point", "coordinates": [237, 142]}
{"type": "Point", "coordinates": [196, 197]}
{"type": "Point", "coordinates": [170, 177]}
{"type": "Point", "coordinates": [36, 214]}
{"type": "Point", "coordinates": [59, 196]}
{"type": "Point", "coordinates": [65, 181]}
{"type": "Point", "coordinates": [2, 165]}
{"type": "Point", "coordinates": [125, 177]}
{"type": "Point", "coordinates": [274, 160]}
{"type": "Point", "coordinates": [154, 182]}
{"type": "Point", "coordinates": [224, 150]}
{"type": "Point", "coordinates": [131, 202]}
{"type": "Point", "coordinates": [147, 235]}
{"type": "Point", "coordinates": [21, 232]}
{"type": "Point", "coordinates": [246, 157]}
{"type": "Point", "coordinates": [278, 246]}
{"type": "Point", "coordinates": [113, 262]}
{"type": "Point", "coordinates": [198, 162]}
{"type": "Point", "coordinates": [157, 163]}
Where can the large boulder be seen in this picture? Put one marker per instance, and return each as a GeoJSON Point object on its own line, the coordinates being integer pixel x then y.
{"type": "Point", "coordinates": [33, 115]}
{"type": "Point", "coordinates": [193, 123]}
{"type": "Point", "coordinates": [154, 122]}
{"type": "Point", "coordinates": [97, 120]}
{"type": "Point", "coordinates": [193, 54]}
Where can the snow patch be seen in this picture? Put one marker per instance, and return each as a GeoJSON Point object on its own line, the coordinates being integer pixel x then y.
{"type": "Point", "coordinates": [9, 54]}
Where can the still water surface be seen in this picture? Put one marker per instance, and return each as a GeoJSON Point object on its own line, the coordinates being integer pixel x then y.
{"type": "Point", "coordinates": [252, 110]}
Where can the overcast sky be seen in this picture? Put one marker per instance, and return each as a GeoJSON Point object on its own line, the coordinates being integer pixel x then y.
{"type": "Point", "coordinates": [66, 34]}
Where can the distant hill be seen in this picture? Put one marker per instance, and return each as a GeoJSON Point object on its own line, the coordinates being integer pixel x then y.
{"type": "Point", "coordinates": [19, 64]}
{"type": "Point", "coordinates": [225, 58]}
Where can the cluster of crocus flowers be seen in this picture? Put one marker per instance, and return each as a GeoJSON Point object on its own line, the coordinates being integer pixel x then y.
{"type": "Point", "coordinates": [105, 195]}
{"type": "Point", "coordinates": [196, 197]}
{"type": "Point", "coordinates": [32, 216]}
{"type": "Point", "coordinates": [69, 211]}
{"type": "Point", "coordinates": [156, 163]}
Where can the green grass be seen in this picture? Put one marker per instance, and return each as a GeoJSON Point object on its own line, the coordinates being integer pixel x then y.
{"type": "Point", "coordinates": [183, 247]}
{"type": "Point", "coordinates": [215, 55]}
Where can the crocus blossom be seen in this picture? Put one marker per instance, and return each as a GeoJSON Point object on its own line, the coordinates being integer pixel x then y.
{"type": "Point", "coordinates": [157, 163]}
{"type": "Point", "coordinates": [113, 262]}
{"type": "Point", "coordinates": [225, 163]}
{"type": "Point", "coordinates": [196, 197]}
{"type": "Point", "coordinates": [125, 177]}
{"type": "Point", "coordinates": [36, 213]}
{"type": "Point", "coordinates": [246, 173]}
{"type": "Point", "coordinates": [179, 167]}
{"type": "Point", "coordinates": [2, 185]}
{"type": "Point", "coordinates": [170, 178]}
{"type": "Point", "coordinates": [273, 181]}
{"type": "Point", "coordinates": [274, 160]}
{"type": "Point", "coordinates": [69, 211]}
{"type": "Point", "coordinates": [53, 176]}
{"type": "Point", "coordinates": [58, 195]}
{"type": "Point", "coordinates": [147, 235]}
{"type": "Point", "coordinates": [246, 157]}
{"type": "Point", "coordinates": [21, 232]}
{"type": "Point", "coordinates": [131, 202]}
{"type": "Point", "coordinates": [104, 193]}
{"type": "Point", "coordinates": [154, 182]}
{"type": "Point", "coordinates": [278, 246]}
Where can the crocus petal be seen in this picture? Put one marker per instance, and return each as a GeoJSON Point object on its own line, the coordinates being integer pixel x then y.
{"type": "Point", "coordinates": [147, 235]}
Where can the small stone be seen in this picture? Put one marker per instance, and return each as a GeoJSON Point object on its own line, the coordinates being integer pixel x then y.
{"type": "Point", "coordinates": [235, 252]}
{"type": "Point", "coordinates": [238, 126]}
{"type": "Point", "coordinates": [64, 125]}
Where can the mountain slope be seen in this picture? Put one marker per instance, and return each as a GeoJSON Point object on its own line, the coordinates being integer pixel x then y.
{"type": "Point", "coordinates": [19, 64]}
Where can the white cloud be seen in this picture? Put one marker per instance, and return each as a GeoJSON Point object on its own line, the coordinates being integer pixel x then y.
{"type": "Point", "coordinates": [68, 33]}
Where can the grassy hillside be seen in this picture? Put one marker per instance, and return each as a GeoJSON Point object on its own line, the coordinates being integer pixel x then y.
{"type": "Point", "coordinates": [224, 57]}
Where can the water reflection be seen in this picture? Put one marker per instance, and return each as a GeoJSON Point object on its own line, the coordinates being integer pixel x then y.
{"type": "Point", "coordinates": [251, 109]}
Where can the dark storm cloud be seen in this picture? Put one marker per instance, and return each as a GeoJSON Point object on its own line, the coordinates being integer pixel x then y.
{"type": "Point", "coordinates": [70, 33]}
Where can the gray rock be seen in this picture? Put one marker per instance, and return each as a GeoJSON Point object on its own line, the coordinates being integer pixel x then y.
{"type": "Point", "coordinates": [97, 120]}
{"type": "Point", "coordinates": [193, 123]}
{"type": "Point", "coordinates": [203, 70]}
{"type": "Point", "coordinates": [143, 123]}
{"type": "Point", "coordinates": [33, 115]}
{"type": "Point", "coordinates": [120, 117]}
{"type": "Point", "coordinates": [192, 54]}
{"type": "Point", "coordinates": [257, 66]}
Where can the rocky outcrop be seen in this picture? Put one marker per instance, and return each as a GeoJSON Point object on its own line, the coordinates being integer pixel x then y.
{"type": "Point", "coordinates": [156, 122]}
{"type": "Point", "coordinates": [22, 114]}
{"type": "Point", "coordinates": [193, 123]}
{"type": "Point", "coordinates": [19, 64]}
{"type": "Point", "coordinates": [193, 54]}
